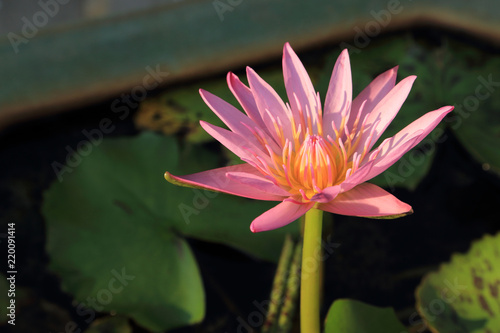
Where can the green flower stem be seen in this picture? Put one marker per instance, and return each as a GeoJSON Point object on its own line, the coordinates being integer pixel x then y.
{"type": "Point", "coordinates": [310, 275]}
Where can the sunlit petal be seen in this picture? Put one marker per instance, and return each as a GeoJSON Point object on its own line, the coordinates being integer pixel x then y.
{"type": "Point", "coordinates": [367, 200]}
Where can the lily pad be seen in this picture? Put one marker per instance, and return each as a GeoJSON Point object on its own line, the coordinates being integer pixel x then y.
{"type": "Point", "coordinates": [351, 316]}
{"type": "Point", "coordinates": [463, 296]}
{"type": "Point", "coordinates": [116, 230]}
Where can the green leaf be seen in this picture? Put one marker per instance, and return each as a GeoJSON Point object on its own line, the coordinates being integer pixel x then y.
{"type": "Point", "coordinates": [115, 215]}
{"type": "Point", "coordinates": [350, 316]}
{"type": "Point", "coordinates": [114, 256]}
{"type": "Point", "coordinates": [463, 296]}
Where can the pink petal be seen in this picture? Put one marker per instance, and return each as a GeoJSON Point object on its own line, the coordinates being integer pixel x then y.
{"type": "Point", "coordinates": [234, 119]}
{"type": "Point", "coordinates": [366, 200]}
{"type": "Point", "coordinates": [245, 97]}
{"type": "Point", "coordinates": [257, 181]}
{"type": "Point", "coordinates": [339, 96]}
{"type": "Point", "coordinates": [425, 123]}
{"type": "Point", "coordinates": [376, 167]}
{"type": "Point", "coordinates": [328, 194]}
{"type": "Point", "coordinates": [372, 94]}
{"type": "Point", "coordinates": [385, 111]}
{"type": "Point", "coordinates": [235, 143]}
{"type": "Point", "coordinates": [299, 88]}
{"type": "Point", "coordinates": [392, 149]}
{"type": "Point", "coordinates": [271, 107]}
{"type": "Point", "coordinates": [216, 180]}
{"type": "Point", "coordinates": [359, 176]}
{"type": "Point", "coordinates": [279, 216]}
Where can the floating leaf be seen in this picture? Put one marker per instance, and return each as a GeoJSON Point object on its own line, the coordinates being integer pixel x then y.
{"type": "Point", "coordinates": [350, 316]}
{"type": "Point", "coordinates": [116, 230]}
{"type": "Point", "coordinates": [463, 296]}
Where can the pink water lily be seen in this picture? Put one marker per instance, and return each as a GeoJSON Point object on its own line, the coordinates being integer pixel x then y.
{"type": "Point", "coordinates": [309, 157]}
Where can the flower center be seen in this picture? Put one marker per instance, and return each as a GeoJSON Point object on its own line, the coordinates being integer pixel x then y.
{"type": "Point", "coordinates": [313, 166]}
{"type": "Point", "coordinates": [306, 161]}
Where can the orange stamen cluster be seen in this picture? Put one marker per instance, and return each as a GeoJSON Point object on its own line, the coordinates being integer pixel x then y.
{"type": "Point", "coordinates": [307, 162]}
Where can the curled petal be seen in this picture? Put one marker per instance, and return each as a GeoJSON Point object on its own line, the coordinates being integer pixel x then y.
{"type": "Point", "coordinates": [367, 200]}
{"type": "Point", "coordinates": [216, 180]}
{"type": "Point", "coordinates": [279, 216]}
